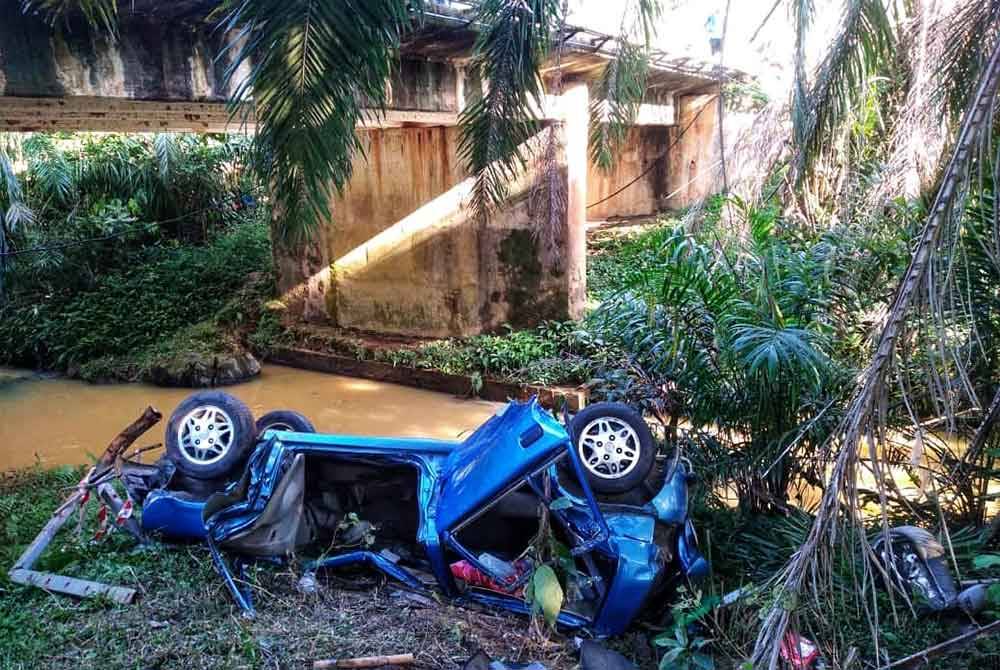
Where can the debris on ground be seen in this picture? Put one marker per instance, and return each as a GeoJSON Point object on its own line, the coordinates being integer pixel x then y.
{"type": "Point", "coordinates": [799, 652]}
{"type": "Point", "coordinates": [364, 662]}
{"type": "Point", "coordinates": [594, 656]}
{"type": "Point", "coordinates": [481, 661]}
{"type": "Point", "coordinates": [96, 479]}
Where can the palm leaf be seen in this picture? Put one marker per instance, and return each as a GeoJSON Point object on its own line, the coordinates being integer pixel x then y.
{"type": "Point", "coordinates": [616, 98]}
{"type": "Point", "coordinates": [863, 47]}
{"type": "Point", "coordinates": [52, 176]}
{"type": "Point", "coordinates": [513, 39]}
{"type": "Point", "coordinates": [314, 67]}
{"type": "Point", "coordinates": [969, 35]}
{"type": "Point", "coordinates": [616, 102]}
{"type": "Point", "coordinates": [100, 14]}
{"type": "Point", "coordinates": [922, 295]}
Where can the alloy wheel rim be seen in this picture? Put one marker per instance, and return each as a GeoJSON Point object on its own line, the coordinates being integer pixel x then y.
{"type": "Point", "coordinates": [608, 448]}
{"type": "Point", "coordinates": [205, 435]}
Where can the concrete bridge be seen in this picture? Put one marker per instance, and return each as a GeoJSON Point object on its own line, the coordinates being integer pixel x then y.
{"type": "Point", "coordinates": [402, 254]}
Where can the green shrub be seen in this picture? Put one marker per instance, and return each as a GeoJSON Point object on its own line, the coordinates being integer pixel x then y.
{"type": "Point", "coordinates": [166, 290]}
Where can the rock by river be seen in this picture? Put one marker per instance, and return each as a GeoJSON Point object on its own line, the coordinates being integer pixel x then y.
{"type": "Point", "coordinates": [201, 370]}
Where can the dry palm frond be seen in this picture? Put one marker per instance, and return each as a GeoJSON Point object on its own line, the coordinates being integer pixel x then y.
{"type": "Point", "coordinates": [802, 17]}
{"type": "Point", "coordinates": [548, 194]}
{"type": "Point", "coordinates": [926, 291]}
{"type": "Point", "coordinates": [969, 34]}
{"type": "Point", "coordinates": [917, 137]}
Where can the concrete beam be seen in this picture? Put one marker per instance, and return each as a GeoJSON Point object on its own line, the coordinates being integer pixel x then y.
{"type": "Point", "coordinates": [142, 116]}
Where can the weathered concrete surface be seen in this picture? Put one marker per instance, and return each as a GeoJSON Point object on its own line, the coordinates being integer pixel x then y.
{"type": "Point", "coordinates": [642, 152]}
{"type": "Point", "coordinates": [159, 75]}
{"type": "Point", "coordinates": [151, 60]}
{"type": "Point", "coordinates": [404, 253]}
{"type": "Point", "coordinates": [693, 171]}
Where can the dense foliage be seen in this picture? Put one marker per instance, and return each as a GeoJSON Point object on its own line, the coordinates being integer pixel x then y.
{"type": "Point", "coordinates": [131, 242]}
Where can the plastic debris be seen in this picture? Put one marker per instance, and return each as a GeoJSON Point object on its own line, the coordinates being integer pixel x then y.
{"type": "Point", "coordinates": [799, 652]}
{"type": "Point", "coordinates": [307, 584]}
{"type": "Point", "coordinates": [473, 576]}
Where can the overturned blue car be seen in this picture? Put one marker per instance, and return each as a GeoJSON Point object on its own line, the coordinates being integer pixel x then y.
{"type": "Point", "coordinates": [478, 515]}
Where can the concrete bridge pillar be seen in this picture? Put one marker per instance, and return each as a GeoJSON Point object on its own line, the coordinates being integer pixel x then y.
{"type": "Point", "coordinates": [575, 107]}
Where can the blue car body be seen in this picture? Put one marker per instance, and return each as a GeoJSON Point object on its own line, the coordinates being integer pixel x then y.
{"type": "Point", "coordinates": [628, 552]}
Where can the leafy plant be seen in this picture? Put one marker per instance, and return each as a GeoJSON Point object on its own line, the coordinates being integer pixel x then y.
{"type": "Point", "coordinates": [684, 650]}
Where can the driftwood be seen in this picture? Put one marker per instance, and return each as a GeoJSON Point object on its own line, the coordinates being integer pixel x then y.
{"type": "Point", "coordinates": [21, 572]}
{"type": "Point", "coordinates": [364, 662]}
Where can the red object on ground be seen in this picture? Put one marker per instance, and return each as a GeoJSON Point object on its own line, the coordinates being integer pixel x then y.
{"type": "Point", "coordinates": [472, 576]}
{"type": "Point", "coordinates": [797, 651]}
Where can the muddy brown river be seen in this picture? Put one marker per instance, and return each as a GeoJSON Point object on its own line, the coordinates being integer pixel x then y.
{"type": "Point", "coordinates": [63, 421]}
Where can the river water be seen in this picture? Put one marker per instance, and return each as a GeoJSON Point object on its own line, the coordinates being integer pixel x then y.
{"type": "Point", "coordinates": [64, 421]}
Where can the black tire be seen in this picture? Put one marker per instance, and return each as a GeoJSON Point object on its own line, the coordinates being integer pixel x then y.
{"type": "Point", "coordinates": [216, 452]}
{"type": "Point", "coordinates": [640, 440]}
{"type": "Point", "coordinates": [284, 419]}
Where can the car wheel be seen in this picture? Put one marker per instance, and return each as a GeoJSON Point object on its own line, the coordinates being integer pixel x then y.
{"type": "Point", "coordinates": [209, 434]}
{"type": "Point", "coordinates": [614, 446]}
{"type": "Point", "coordinates": [284, 419]}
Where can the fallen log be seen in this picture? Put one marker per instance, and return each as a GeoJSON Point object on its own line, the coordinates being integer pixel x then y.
{"type": "Point", "coordinates": [21, 572]}
{"type": "Point", "coordinates": [364, 662]}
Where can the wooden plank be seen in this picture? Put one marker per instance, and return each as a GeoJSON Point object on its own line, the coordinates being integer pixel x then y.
{"type": "Point", "coordinates": [364, 662]}
{"type": "Point", "coordinates": [81, 588]}
{"type": "Point", "coordinates": [41, 541]}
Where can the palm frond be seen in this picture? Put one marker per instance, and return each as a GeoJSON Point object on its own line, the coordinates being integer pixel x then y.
{"type": "Point", "coordinates": [513, 39]}
{"type": "Point", "coordinates": [617, 96]}
{"type": "Point", "coordinates": [615, 102]}
{"type": "Point", "coordinates": [14, 210]}
{"type": "Point", "coordinates": [167, 151]}
{"type": "Point", "coordinates": [925, 297]}
{"type": "Point", "coordinates": [916, 137]}
{"type": "Point", "coordinates": [650, 12]}
{"type": "Point", "coordinates": [802, 17]}
{"type": "Point", "coordinates": [51, 174]}
{"type": "Point", "coordinates": [862, 47]}
{"type": "Point", "coordinates": [100, 15]}
{"type": "Point", "coordinates": [314, 66]}
{"type": "Point", "coordinates": [969, 34]}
